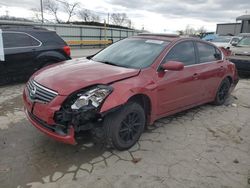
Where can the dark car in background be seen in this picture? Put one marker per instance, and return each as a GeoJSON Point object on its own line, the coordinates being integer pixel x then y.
{"type": "Point", "coordinates": [240, 55]}
{"type": "Point", "coordinates": [25, 49]}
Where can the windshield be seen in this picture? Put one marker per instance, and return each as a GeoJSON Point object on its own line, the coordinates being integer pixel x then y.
{"type": "Point", "coordinates": [222, 39]}
{"type": "Point", "coordinates": [244, 42]}
{"type": "Point", "coordinates": [131, 53]}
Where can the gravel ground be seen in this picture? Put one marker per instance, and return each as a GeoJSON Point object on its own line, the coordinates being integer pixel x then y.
{"type": "Point", "coordinates": [208, 146]}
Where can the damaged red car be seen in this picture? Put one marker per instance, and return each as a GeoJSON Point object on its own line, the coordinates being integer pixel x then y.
{"type": "Point", "coordinates": [126, 87]}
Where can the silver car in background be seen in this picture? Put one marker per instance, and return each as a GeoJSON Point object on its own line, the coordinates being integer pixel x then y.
{"type": "Point", "coordinates": [225, 41]}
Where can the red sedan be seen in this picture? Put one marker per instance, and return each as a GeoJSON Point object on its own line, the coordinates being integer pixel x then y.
{"type": "Point", "coordinates": [127, 86]}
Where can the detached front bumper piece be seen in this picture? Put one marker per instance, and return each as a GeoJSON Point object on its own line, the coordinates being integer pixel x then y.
{"type": "Point", "coordinates": [51, 130]}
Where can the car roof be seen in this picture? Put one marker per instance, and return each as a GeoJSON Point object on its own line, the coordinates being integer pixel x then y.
{"type": "Point", "coordinates": [169, 37]}
{"type": "Point", "coordinates": [23, 28]}
{"type": "Point", "coordinates": [158, 36]}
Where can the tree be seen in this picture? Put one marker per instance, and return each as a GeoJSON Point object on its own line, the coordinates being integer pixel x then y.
{"type": "Point", "coordinates": [84, 14]}
{"type": "Point", "coordinates": [129, 23]}
{"type": "Point", "coordinates": [87, 16]}
{"type": "Point", "coordinates": [52, 7]}
{"type": "Point", "coordinates": [95, 18]}
{"type": "Point", "coordinates": [189, 30]}
{"type": "Point", "coordinates": [37, 14]}
{"type": "Point", "coordinates": [201, 30]}
{"type": "Point", "coordinates": [70, 9]}
{"type": "Point", "coordinates": [119, 19]}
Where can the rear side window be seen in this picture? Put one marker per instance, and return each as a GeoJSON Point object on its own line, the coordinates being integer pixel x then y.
{"type": "Point", "coordinates": [16, 40]}
{"type": "Point", "coordinates": [50, 38]}
{"type": "Point", "coordinates": [183, 52]}
{"type": "Point", "coordinates": [208, 53]}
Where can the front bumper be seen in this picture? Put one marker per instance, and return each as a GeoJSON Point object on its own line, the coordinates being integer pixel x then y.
{"type": "Point", "coordinates": [50, 131]}
{"type": "Point", "coordinates": [41, 117]}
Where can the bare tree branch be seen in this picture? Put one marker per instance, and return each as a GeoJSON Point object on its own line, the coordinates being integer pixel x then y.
{"type": "Point", "coordinates": [52, 8]}
{"type": "Point", "coordinates": [87, 16]}
{"type": "Point", "coordinates": [70, 8]}
{"type": "Point", "coordinates": [192, 31]}
{"type": "Point", "coordinates": [201, 30]}
{"type": "Point", "coordinates": [120, 19]}
{"type": "Point", "coordinates": [84, 14]}
{"type": "Point", "coordinates": [37, 14]}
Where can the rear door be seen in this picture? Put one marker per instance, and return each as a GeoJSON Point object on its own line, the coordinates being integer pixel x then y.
{"type": "Point", "coordinates": [20, 50]}
{"type": "Point", "coordinates": [211, 68]}
{"type": "Point", "coordinates": [179, 89]}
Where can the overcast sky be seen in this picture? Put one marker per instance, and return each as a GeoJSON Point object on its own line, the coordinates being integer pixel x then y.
{"type": "Point", "coordinates": [153, 15]}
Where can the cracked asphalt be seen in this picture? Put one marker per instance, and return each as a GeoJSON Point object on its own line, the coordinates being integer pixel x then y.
{"type": "Point", "coordinates": [207, 146]}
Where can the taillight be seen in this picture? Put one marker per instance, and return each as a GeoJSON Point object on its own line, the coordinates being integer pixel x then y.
{"type": "Point", "coordinates": [66, 49]}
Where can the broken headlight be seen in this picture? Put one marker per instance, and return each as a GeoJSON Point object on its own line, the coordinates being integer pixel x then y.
{"type": "Point", "coordinates": [94, 97]}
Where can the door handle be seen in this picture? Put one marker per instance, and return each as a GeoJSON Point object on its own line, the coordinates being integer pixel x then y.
{"type": "Point", "coordinates": [196, 76]}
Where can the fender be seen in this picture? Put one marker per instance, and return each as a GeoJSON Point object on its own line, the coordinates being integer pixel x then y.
{"type": "Point", "coordinates": [121, 94]}
{"type": "Point", "coordinates": [44, 56]}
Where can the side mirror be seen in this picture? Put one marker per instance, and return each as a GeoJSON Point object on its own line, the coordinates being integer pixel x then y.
{"type": "Point", "coordinates": [235, 41]}
{"type": "Point", "coordinates": [172, 66]}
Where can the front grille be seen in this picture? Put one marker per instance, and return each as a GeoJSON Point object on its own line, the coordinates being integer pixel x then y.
{"type": "Point", "coordinates": [40, 93]}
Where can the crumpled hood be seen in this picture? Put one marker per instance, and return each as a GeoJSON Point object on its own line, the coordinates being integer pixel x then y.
{"type": "Point", "coordinates": [70, 76]}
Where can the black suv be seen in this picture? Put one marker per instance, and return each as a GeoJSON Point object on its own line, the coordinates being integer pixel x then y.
{"type": "Point", "coordinates": [25, 49]}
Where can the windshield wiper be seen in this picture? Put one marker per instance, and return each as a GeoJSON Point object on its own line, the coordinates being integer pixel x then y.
{"type": "Point", "coordinates": [108, 62]}
{"type": "Point", "coordinates": [111, 63]}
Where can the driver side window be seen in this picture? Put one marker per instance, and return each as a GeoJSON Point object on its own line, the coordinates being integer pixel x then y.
{"type": "Point", "coordinates": [183, 52]}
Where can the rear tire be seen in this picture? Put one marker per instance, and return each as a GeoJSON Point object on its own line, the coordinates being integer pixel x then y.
{"type": "Point", "coordinates": [124, 127]}
{"type": "Point", "coordinates": [222, 92]}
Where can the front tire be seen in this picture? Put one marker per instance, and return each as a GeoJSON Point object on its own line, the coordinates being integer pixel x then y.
{"type": "Point", "coordinates": [124, 127]}
{"type": "Point", "coordinates": [222, 92]}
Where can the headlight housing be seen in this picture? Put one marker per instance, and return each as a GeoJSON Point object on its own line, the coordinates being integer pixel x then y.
{"type": "Point", "coordinates": [94, 97]}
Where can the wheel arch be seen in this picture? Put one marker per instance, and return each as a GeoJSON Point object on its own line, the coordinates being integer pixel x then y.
{"type": "Point", "coordinates": [145, 102]}
{"type": "Point", "coordinates": [44, 57]}
{"type": "Point", "coordinates": [230, 79]}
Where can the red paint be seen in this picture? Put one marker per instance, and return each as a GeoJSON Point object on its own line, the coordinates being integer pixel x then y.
{"type": "Point", "coordinates": [73, 75]}
{"type": "Point", "coordinates": [68, 139]}
{"type": "Point", "coordinates": [173, 65]}
{"type": "Point", "coordinates": [169, 92]}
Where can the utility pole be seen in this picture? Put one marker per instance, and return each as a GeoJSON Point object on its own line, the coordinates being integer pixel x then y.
{"type": "Point", "coordinates": [41, 3]}
{"type": "Point", "coordinates": [105, 30]}
{"type": "Point", "coordinates": [108, 18]}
